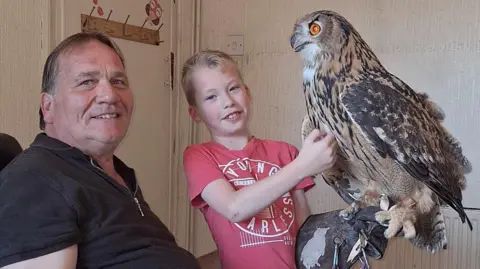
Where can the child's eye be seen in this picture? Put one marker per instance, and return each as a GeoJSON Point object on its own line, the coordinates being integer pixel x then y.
{"type": "Point", "coordinates": [234, 88]}
{"type": "Point", "coordinates": [210, 97]}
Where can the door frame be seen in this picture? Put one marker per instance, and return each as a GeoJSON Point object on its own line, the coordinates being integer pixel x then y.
{"type": "Point", "coordinates": [187, 42]}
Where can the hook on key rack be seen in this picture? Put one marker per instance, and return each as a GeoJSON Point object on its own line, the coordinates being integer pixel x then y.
{"type": "Point", "coordinates": [110, 13]}
{"type": "Point", "coordinates": [88, 18]}
{"type": "Point", "coordinates": [144, 22]}
{"type": "Point", "coordinates": [125, 23]}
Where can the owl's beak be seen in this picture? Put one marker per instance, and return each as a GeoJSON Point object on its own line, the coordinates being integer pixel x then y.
{"type": "Point", "coordinates": [293, 42]}
{"type": "Point", "coordinates": [297, 42]}
{"type": "Point", "coordinates": [293, 39]}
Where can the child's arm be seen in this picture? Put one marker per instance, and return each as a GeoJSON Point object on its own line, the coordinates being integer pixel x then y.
{"type": "Point", "coordinates": [245, 203]}
{"type": "Point", "coordinates": [317, 155]}
{"type": "Point", "coordinates": [302, 209]}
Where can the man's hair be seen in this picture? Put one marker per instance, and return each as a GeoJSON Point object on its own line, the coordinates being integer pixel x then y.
{"type": "Point", "coordinates": [206, 58]}
{"type": "Point", "coordinates": [51, 67]}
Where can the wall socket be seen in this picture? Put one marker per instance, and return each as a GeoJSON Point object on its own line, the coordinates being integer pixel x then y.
{"type": "Point", "coordinates": [234, 45]}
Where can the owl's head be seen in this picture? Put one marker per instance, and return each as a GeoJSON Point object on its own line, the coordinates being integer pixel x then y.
{"type": "Point", "coordinates": [320, 34]}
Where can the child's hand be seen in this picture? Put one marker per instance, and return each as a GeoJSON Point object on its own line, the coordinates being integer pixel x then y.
{"type": "Point", "coordinates": [318, 153]}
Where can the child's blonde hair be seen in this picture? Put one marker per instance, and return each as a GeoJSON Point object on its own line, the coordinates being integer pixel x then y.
{"type": "Point", "coordinates": [206, 58]}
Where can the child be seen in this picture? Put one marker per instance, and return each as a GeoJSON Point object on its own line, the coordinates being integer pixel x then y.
{"type": "Point", "coordinates": [250, 190]}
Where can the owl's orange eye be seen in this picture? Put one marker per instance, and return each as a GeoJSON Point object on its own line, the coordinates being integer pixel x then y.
{"type": "Point", "coordinates": [314, 29]}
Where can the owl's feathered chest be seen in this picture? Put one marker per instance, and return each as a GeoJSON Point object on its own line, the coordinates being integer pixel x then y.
{"type": "Point", "coordinates": [322, 96]}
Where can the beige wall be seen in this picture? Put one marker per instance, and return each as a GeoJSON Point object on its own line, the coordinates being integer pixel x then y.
{"type": "Point", "coordinates": [433, 45]}
{"type": "Point", "coordinates": [21, 61]}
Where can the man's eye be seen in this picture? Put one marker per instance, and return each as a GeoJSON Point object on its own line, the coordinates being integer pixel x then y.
{"type": "Point", "coordinates": [119, 82]}
{"type": "Point", "coordinates": [87, 82]}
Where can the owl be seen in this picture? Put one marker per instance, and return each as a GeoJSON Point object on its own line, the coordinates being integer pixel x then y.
{"type": "Point", "coordinates": [393, 147]}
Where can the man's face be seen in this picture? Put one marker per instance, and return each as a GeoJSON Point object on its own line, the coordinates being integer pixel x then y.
{"type": "Point", "coordinates": [93, 103]}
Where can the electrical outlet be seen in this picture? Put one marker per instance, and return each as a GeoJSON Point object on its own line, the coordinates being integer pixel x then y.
{"type": "Point", "coordinates": [235, 45]}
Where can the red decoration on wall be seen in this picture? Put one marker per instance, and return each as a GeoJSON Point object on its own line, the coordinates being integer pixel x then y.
{"type": "Point", "coordinates": [99, 8]}
{"type": "Point", "coordinates": [154, 12]}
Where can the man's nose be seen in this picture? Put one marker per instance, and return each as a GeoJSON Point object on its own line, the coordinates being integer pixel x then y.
{"type": "Point", "coordinates": [107, 93]}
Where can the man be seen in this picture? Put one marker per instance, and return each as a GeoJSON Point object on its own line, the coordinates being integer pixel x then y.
{"type": "Point", "coordinates": [68, 201]}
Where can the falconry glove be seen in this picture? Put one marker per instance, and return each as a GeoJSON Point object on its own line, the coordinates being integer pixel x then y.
{"type": "Point", "coordinates": [326, 240]}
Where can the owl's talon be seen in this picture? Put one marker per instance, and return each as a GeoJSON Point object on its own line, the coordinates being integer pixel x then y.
{"type": "Point", "coordinates": [409, 229]}
{"type": "Point", "coordinates": [396, 219]}
{"type": "Point", "coordinates": [349, 212]}
{"type": "Point", "coordinates": [383, 217]}
{"type": "Point", "coordinates": [384, 202]}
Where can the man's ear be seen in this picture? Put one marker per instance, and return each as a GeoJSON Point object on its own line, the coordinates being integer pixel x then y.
{"type": "Point", "coordinates": [47, 107]}
{"type": "Point", "coordinates": [192, 110]}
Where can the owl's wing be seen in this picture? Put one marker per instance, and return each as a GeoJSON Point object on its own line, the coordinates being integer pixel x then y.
{"type": "Point", "coordinates": [397, 127]}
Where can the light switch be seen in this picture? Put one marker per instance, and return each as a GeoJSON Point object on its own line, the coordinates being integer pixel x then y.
{"type": "Point", "coordinates": [234, 45]}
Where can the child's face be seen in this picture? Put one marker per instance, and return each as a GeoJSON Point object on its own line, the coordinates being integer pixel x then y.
{"type": "Point", "coordinates": [222, 100]}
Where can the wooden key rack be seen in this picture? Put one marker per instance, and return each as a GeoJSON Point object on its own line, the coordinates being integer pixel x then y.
{"type": "Point", "coordinates": [121, 29]}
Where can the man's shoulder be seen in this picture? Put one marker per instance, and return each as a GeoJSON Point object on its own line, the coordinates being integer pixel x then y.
{"type": "Point", "coordinates": [32, 166]}
{"type": "Point", "coordinates": [30, 159]}
{"type": "Point", "coordinates": [31, 172]}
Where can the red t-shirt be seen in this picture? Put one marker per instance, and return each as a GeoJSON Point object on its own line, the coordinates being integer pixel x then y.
{"type": "Point", "coordinates": [265, 241]}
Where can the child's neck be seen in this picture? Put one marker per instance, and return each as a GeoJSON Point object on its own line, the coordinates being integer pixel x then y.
{"type": "Point", "coordinates": [237, 142]}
